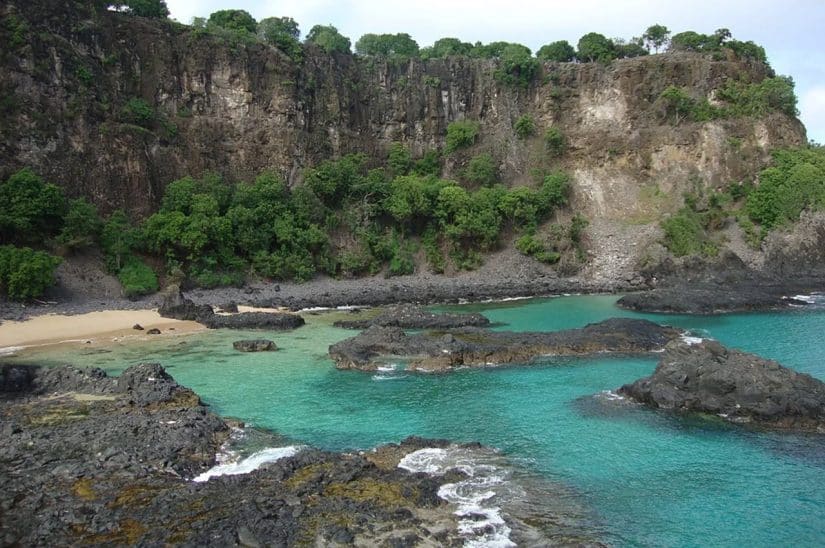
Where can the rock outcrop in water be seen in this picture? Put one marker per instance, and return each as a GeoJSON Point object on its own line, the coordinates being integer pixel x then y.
{"type": "Point", "coordinates": [254, 345]}
{"type": "Point", "coordinates": [178, 307]}
{"type": "Point", "coordinates": [415, 317]}
{"type": "Point", "coordinates": [87, 459]}
{"type": "Point", "coordinates": [444, 350]}
{"type": "Point", "coordinates": [740, 387]}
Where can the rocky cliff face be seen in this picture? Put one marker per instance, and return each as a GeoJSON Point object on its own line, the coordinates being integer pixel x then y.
{"type": "Point", "coordinates": [67, 76]}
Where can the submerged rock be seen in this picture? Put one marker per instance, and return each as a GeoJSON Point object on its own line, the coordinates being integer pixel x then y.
{"type": "Point", "coordinates": [440, 350]}
{"type": "Point", "coordinates": [416, 317]}
{"type": "Point", "coordinates": [254, 345]}
{"type": "Point", "coordinates": [708, 378]}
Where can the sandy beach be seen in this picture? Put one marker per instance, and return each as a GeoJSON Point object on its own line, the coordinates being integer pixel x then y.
{"type": "Point", "coordinates": [92, 326]}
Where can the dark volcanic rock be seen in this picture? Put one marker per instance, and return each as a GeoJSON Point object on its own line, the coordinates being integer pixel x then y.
{"type": "Point", "coordinates": [416, 317]}
{"type": "Point", "coordinates": [153, 331]}
{"type": "Point", "coordinates": [707, 300]}
{"type": "Point", "coordinates": [709, 378]}
{"type": "Point", "coordinates": [254, 345]}
{"type": "Point", "coordinates": [178, 307]}
{"type": "Point", "coordinates": [90, 459]}
{"type": "Point", "coordinates": [440, 350]}
{"type": "Point", "coordinates": [255, 320]}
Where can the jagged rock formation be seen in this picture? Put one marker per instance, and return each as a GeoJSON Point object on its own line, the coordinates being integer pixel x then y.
{"type": "Point", "coordinates": [740, 387]}
{"type": "Point", "coordinates": [178, 307]}
{"type": "Point", "coordinates": [444, 350]}
{"type": "Point", "coordinates": [240, 109]}
{"type": "Point", "coordinates": [415, 317]}
{"type": "Point", "coordinates": [89, 459]}
{"type": "Point", "coordinates": [254, 345]}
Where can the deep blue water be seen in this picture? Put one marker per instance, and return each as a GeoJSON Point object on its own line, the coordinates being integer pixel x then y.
{"type": "Point", "coordinates": [649, 478]}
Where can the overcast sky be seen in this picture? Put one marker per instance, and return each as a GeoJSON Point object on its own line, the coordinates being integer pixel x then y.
{"type": "Point", "coordinates": [791, 31]}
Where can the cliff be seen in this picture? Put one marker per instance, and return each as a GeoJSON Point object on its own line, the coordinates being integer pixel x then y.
{"type": "Point", "coordinates": [70, 72]}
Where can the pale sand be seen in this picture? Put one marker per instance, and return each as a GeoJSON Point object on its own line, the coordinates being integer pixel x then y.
{"type": "Point", "coordinates": [107, 325]}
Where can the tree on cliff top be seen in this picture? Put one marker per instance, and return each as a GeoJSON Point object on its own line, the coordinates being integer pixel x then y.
{"type": "Point", "coordinates": [143, 8]}
{"type": "Point", "coordinates": [656, 36]}
{"type": "Point", "coordinates": [234, 20]}
{"type": "Point", "coordinates": [560, 51]}
{"type": "Point", "coordinates": [398, 45]}
{"type": "Point", "coordinates": [596, 47]}
{"type": "Point", "coordinates": [281, 32]}
{"type": "Point", "coordinates": [328, 39]}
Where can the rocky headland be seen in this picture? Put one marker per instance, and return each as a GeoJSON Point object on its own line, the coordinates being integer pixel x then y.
{"type": "Point", "coordinates": [706, 377]}
{"type": "Point", "coordinates": [91, 459]}
{"type": "Point", "coordinates": [442, 350]}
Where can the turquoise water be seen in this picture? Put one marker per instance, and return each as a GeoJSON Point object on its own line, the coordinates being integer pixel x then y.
{"type": "Point", "coordinates": [651, 479]}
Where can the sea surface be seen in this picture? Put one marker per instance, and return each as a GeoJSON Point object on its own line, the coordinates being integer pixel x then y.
{"type": "Point", "coordinates": [634, 476]}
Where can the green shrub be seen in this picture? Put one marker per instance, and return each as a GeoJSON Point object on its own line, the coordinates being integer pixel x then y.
{"type": "Point", "coordinates": [138, 112]}
{"type": "Point", "coordinates": [529, 245]}
{"type": "Point", "coordinates": [235, 20]}
{"type": "Point", "coordinates": [554, 141]}
{"type": "Point", "coordinates": [82, 225]}
{"type": "Point", "coordinates": [525, 126]}
{"type": "Point", "coordinates": [429, 164]}
{"type": "Point", "coordinates": [769, 95]}
{"type": "Point", "coordinates": [517, 67]}
{"type": "Point", "coordinates": [481, 170]}
{"type": "Point", "coordinates": [461, 134]}
{"type": "Point", "coordinates": [137, 278]}
{"type": "Point", "coordinates": [32, 209]}
{"type": "Point", "coordinates": [399, 160]}
{"type": "Point", "coordinates": [25, 273]}
{"type": "Point", "coordinates": [432, 252]}
{"type": "Point", "coordinates": [684, 234]}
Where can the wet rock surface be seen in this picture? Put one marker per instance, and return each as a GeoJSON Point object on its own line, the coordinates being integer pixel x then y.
{"type": "Point", "coordinates": [443, 350]}
{"type": "Point", "coordinates": [90, 459]}
{"type": "Point", "coordinates": [254, 345]}
{"type": "Point", "coordinates": [415, 317]}
{"type": "Point", "coordinates": [178, 307]}
{"type": "Point", "coordinates": [708, 378]}
{"type": "Point", "coordinates": [707, 300]}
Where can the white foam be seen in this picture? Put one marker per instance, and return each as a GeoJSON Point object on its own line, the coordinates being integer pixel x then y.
{"type": "Point", "coordinates": [480, 520]}
{"type": "Point", "coordinates": [808, 299]}
{"type": "Point", "coordinates": [10, 350]}
{"type": "Point", "coordinates": [690, 341]}
{"type": "Point", "coordinates": [250, 463]}
{"type": "Point", "coordinates": [611, 395]}
{"type": "Point", "coordinates": [388, 377]}
{"type": "Point", "coordinates": [388, 367]}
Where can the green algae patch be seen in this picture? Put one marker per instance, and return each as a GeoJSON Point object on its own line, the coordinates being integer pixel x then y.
{"type": "Point", "coordinates": [386, 494]}
{"type": "Point", "coordinates": [84, 489]}
{"type": "Point", "coordinates": [302, 476]}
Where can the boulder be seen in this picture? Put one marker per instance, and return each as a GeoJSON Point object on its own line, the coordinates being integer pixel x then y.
{"type": "Point", "coordinates": [153, 331]}
{"type": "Point", "coordinates": [254, 345]}
{"type": "Point", "coordinates": [410, 316]}
{"type": "Point", "coordinates": [708, 378]}
{"type": "Point", "coordinates": [255, 320]}
{"type": "Point", "coordinates": [178, 307]}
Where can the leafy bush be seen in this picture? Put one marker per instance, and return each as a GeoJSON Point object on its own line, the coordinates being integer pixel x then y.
{"type": "Point", "coordinates": [794, 183]}
{"type": "Point", "coordinates": [481, 170]}
{"type": "Point", "coordinates": [283, 33]}
{"type": "Point", "coordinates": [684, 234]}
{"type": "Point", "coordinates": [525, 126]}
{"type": "Point", "coordinates": [82, 225]}
{"type": "Point", "coordinates": [138, 112]}
{"type": "Point", "coordinates": [461, 134]}
{"type": "Point", "coordinates": [32, 209]}
{"type": "Point", "coordinates": [137, 278]}
{"type": "Point", "coordinates": [25, 273]}
{"type": "Point", "coordinates": [517, 67]}
{"type": "Point", "coordinates": [554, 141]}
{"type": "Point", "coordinates": [399, 159]}
{"type": "Point", "coordinates": [147, 8]}
{"type": "Point", "coordinates": [769, 95]}
{"type": "Point", "coordinates": [387, 45]}
{"type": "Point", "coordinates": [429, 164]}
{"type": "Point", "coordinates": [118, 239]}
{"type": "Point", "coordinates": [596, 47]}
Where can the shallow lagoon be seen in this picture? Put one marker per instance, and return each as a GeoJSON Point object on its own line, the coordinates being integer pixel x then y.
{"type": "Point", "coordinates": [648, 478]}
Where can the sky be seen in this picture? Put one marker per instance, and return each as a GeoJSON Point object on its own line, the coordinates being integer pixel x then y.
{"type": "Point", "coordinates": [789, 30]}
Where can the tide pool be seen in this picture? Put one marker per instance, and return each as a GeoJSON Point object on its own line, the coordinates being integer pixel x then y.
{"type": "Point", "coordinates": [649, 478]}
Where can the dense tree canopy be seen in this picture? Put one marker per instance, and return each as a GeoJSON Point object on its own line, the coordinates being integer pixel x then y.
{"type": "Point", "coordinates": [560, 51]}
{"type": "Point", "coordinates": [281, 32]}
{"type": "Point", "coordinates": [328, 39]}
{"type": "Point", "coordinates": [446, 47]}
{"type": "Point", "coordinates": [238, 20]}
{"type": "Point", "coordinates": [399, 45]}
{"type": "Point", "coordinates": [144, 8]}
{"type": "Point", "coordinates": [595, 47]}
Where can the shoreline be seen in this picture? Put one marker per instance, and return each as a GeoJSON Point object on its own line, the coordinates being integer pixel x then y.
{"type": "Point", "coordinates": [90, 327]}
